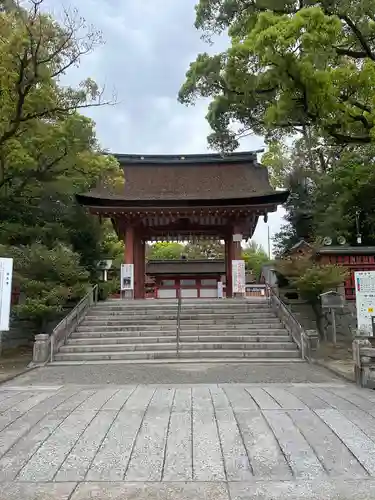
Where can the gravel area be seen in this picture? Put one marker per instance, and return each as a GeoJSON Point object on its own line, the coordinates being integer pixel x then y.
{"type": "Point", "coordinates": [202, 373]}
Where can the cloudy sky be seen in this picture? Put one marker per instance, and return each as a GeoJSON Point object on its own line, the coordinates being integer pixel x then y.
{"type": "Point", "coordinates": [148, 47]}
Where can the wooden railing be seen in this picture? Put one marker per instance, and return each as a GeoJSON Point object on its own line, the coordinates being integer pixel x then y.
{"type": "Point", "coordinates": [67, 325]}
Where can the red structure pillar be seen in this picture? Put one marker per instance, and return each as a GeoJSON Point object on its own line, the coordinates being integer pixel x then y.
{"type": "Point", "coordinates": [143, 267]}
{"type": "Point", "coordinates": [139, 268]}
{"type": "Point", "coordinates": [129, 245]}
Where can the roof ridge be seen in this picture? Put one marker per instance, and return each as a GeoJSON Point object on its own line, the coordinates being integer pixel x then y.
{"type": "Point", "coordinates": [184, 159]}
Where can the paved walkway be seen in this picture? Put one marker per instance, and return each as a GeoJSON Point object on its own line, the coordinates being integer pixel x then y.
{"type": "Point", "coordinates": [177, 373]}
{"type": "Point", "coordinates": [181, 442]}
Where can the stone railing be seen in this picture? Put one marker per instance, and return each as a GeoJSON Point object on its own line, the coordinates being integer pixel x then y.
{"type": "Point", "coordinates": [306, 340]}
{"type": "Point", "coordinates": [46, 346]}
{"type": "Point", "coordinates": [364, 362]}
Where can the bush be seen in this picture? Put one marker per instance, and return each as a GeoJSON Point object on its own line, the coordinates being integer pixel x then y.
{"type": "Point", "coordinates": [107, 288]}
{"type": "Point", "coordinates": [48, 279]}
{"type": "Point", "coordinates": [311, 280]}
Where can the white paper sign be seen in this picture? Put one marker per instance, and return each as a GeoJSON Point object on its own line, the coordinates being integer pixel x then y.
{"type": "Point", "coordinates": [238, 276]}
{"type": "Point", "coordinates": [365, 300]}
{"type": "Point", "coordinates": [127, 276]}
{"type": "Point", "coordinates": [220, 290]}
{"type": "Point", "coordinates": [6, 270]}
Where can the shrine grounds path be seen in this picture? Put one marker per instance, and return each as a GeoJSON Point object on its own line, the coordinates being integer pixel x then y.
{"type": "Point", "coordinates": [186, 432]}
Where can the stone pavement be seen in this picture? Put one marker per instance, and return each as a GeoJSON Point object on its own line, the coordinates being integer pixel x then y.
{"type": "Point", "coordinates": [184, 442]}
{"type": "Point", "coordinates": [177, 373]}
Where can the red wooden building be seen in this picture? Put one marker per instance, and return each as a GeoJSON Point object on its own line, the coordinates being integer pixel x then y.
{"type": "Point", "coordinates": [170, 197]}
{"type": "Point", "coordinates": [361, 258]}
{"type": "Point", "coordinates": [355, 258]}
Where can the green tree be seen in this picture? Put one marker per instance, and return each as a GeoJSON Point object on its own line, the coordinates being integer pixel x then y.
{"type": "Point", "coordinates": [165, 250]}
{"type": "Point", "coordinates": [344, 191]}
{"type": "Point", "coordinates": [48, 278]}
{"type": "Point", "coordinates": [48, 151]}
{"type": "Point", "coordinates": [290, 65]}
{"type": "Point", "coordinates": [278, 162]}
{"type": "Point", "coordinates": [205, 249]}
{"type": "Point", "coordinates": [48, 154]}
{"type": "Point", "coordinates": [311, 280]}
{"type": "Point", "coordinates": [255, 257]}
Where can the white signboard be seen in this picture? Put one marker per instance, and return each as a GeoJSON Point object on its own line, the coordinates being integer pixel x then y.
{"type": "Point", "coordinates": [220, 290]}
{"type": "Point", "coordinates": [127, 277]}
{"type": "Point", "coordinates": [365, 300]}
{"type": "Point", "coordinates": [6, 269]}
{"type": "Point", "coordinates": [238, 276]}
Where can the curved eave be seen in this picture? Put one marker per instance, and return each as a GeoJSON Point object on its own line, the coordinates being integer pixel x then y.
{"type": "Point", "coordinates": [276, 197]}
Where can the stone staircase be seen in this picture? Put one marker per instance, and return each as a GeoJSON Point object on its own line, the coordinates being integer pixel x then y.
{"type": "Point", "coordinates": [210, 330]}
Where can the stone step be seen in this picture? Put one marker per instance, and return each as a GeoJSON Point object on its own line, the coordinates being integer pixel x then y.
{"type": "Point", "coordinates": [164, 322]}
{"type": "Point", "coordinates": [171, 346]}
{"type": "Point", "coordinates": [127, 328]}
{"type": "Point", "coordinates": [184, 307]}
{"type": "Point", "coordinates": [189, 311]}
{"type": "Point", "coordinates": [170, 330]}
{"type": "Point", "coordinates": [180, 361]}
{"type": "Point", "coordinates": [270, 324]}
{"type": "Point", "coordinates": [149, 303]}
{"type": "Point", "coordinates": [159, 346]}
{"type": "Point", "coordinates": [89, 340]}
{"type": "Point", "coordinates": [120, 332]}
{"type": "Point", "coordinates": [192, 354]}
{"type": "Point", "coordinates": [184, 315]}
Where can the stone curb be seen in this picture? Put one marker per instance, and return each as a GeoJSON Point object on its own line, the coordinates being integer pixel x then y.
{"type": "Point", "coordinates": [330, 368]}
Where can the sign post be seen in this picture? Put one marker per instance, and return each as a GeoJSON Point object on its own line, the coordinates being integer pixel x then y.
{"type": "Point", "coordinates": [6, 271]}
{"type": "Point", "coordinates": [365, 301]}
{"type": "Point", "coordinates": [238, 277]}
{"type": "Point", "coordinates": [332, 300]}
{"type": "Point", "coordinates": [127, 279]}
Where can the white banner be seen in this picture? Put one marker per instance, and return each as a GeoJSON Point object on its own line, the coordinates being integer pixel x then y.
{"type": "Point", "coordinates": [220, 290]}
{"type": "Point", "coordinates": [238, 276]}
{"type": "Point", "coordinates": [127, 277]}
{"type": "Point", "coordinates": [6, 270]}
{"type": "Point", "coordinates": [365, 300]}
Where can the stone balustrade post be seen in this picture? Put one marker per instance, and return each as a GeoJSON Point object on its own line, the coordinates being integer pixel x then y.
{"type": "Point", "coordinates": [311, 343]}
{"type": "Point", "coordinates": [41, 351]}
{"type": "Point", "coordinates": [363, 360]}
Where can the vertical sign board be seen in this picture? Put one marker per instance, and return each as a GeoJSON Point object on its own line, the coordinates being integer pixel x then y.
{"type": "Point", "coordinates": [127, 277]}
{"type": "Point", "coordinates": [365, 300]}
{"type": "Point", "coordinates": [238, 276]}
{"type": "Point", "coordinates": [6, 269]}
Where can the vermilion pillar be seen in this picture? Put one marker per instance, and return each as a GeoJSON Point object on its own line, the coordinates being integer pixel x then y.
{"type": "Point", "coordinates": [129, 245]}
{"type": "Point", "coordinates": [138, 292]}
{"type": "Point", "coordinates": [143, 267]}
{"type": "Point", "coordinates": [139, 268]}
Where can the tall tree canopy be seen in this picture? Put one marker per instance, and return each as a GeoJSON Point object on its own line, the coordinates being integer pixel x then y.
{"type": "Point", "coordinates": [48, 150]}
{"type": "Point", "coordinates": [291, 64]}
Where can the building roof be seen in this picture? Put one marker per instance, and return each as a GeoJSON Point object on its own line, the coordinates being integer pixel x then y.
{"type": "Point", "coordinates": [167, 178]}
{"type": "Point", "coordinates": [346, 250]}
